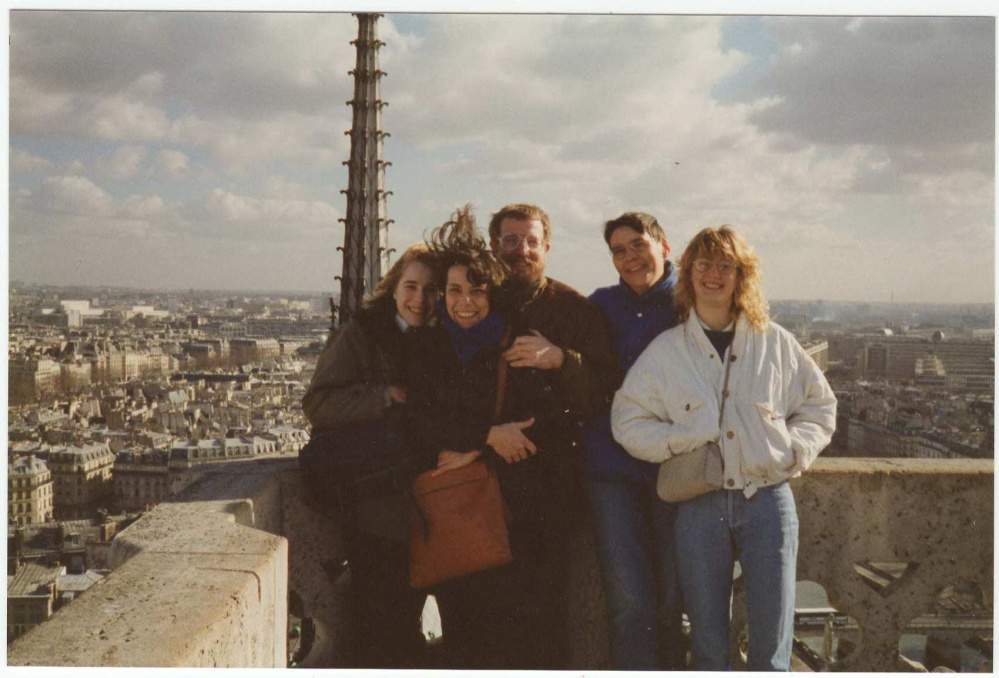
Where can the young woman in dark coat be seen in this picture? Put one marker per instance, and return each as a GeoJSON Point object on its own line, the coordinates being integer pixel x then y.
{"type": "Point", "coordinates": [511, 617]}
{"type": "Point", "coordinates": [356, 404]}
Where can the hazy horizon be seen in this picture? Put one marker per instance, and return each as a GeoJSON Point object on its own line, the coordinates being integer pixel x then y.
{"type": "Point", "coordinates": [336, 294]}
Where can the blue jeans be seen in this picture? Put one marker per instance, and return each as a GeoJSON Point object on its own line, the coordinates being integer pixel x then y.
{"type": "Point", "coordinates": [635, 549]}
{"type": "Point", "coordinates": [712, 532]}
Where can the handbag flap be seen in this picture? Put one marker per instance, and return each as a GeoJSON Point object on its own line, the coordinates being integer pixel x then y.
{"type": "Point", "coordinates": [426, 483]}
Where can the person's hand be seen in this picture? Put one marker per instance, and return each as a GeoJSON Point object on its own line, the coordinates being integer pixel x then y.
{"type": "Point", "coordinates": [396, 394]}
{"type": "Point", "coordinates": [534, 351]}
{"type": "Point", "coordinates": [449, 460]}
{"type": "Point", "coordinates": [510, 442]}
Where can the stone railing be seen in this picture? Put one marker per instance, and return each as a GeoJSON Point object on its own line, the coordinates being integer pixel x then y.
{"type": "Point", "coordinates": [934, 518]}
{"type": "Point", "coordinates": [202, 580]}
{"type": "Point", "coordinates": [207, 579]}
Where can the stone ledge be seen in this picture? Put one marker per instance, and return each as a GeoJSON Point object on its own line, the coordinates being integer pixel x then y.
{"type": "Point", "coordinates": [871, 466]}
{"type": "Point", "coordinates": [935, 516]}
{"type": "Point", "coordinates": [204, 580]}
{"type": "Point", "coordinates": [201, 580]}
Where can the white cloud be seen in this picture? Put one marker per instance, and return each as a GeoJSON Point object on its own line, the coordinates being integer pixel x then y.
{"type": "Point", "coordinates": [22, 162]}
{"type": "Point", "coordinates": [170, 165]}
{"type": "Point", "coordinates": [122, 67]}
{"type": "Point", "coordinates": [149, 85]}
{"type": "Point", "coordinates": [35, 111]}
{"type": "Point", "coordinates": [73, 195]}
{"type": "Point", "coordinates": [122, 163]}
{"type": "Point", "coordinates": [587, 116]}
{"type": "Point", "coordinates": [578, 79]}
{"type": "Point", "coordinates": [883, 80]}
{"type": "Point", "coordinates": [119, 118]}
{"type": "Point", "coordinates": [75, 210]}
{"type": "Point", "coordinates": [144, 207]}
{"type": "Point", "coordinates": [289, 141]}
{"type": "Point", "coordinates": [242, 209]}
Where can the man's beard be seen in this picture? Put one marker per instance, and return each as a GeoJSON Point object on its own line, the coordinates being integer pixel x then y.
{"type": "Point", "coordinates": [524, 270]}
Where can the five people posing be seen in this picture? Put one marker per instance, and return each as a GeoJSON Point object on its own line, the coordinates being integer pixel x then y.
{"type": "Point", "coordinates": [554, 440]}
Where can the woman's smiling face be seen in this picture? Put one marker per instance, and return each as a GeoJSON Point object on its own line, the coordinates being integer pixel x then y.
{"type": "Point", "coordinates": [467, 305]}
{"type": "Point", "coordinates": [415, 294]}
{"type": "Point", "coordinates": [714, 280]}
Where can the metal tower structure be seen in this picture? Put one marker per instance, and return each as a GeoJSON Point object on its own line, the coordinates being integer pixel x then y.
{"type": "Point", "coordinates": [365, 240]}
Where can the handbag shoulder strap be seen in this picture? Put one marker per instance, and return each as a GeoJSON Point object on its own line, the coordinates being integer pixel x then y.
{"type": "Point", "coordinates": [721, 410]}
{"type": "Point", "coordinates": [501, 371]}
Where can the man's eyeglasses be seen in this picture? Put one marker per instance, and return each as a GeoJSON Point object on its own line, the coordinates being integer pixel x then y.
{"type": "Point", "coordinates": [511, 242]}
{"type": "Point", "coordinates": [725, 266]}
{"type": "Point", "coordinates": [637, 246]}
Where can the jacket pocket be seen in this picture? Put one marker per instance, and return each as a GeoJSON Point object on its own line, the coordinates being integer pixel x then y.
{"type": "Point", "coordinates": [779, 454]}
{"type": "Point", "coordinates": [681, 408]}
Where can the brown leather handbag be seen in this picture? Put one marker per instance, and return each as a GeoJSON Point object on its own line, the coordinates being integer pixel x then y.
{"type": "Point", "coordinates": [459, 522]}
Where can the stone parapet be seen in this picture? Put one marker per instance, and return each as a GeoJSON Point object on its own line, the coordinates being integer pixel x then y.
{"type": "Point", "coordinates": [202, 580]}
{"type": "Point", "coordinates": [928, 521]}
{"type": "Point", "coordinates": [205, 579]}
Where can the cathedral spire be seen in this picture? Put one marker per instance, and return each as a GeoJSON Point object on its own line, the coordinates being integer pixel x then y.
{"type": "Point", "coordinates": [365, 241]}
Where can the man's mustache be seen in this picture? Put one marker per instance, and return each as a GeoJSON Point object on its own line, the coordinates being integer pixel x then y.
{"type": "Point", "coordinates": [519, 259]}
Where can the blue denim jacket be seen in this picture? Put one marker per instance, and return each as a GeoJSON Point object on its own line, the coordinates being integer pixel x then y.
{"type": "Point", "coordinates": [634, 322]}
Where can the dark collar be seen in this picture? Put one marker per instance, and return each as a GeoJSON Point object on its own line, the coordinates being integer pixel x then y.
{"type": "Point", "coordinates": [519, 295]}
{"type": "Point", "coordinates": [661, 290]}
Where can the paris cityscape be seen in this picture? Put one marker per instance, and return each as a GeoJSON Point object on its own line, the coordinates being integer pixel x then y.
{"type": "Point", "coordinates": [133, 386]}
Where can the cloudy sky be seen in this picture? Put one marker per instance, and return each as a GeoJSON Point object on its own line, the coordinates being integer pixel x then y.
{"type": "Point", "coordinates": [204, 149]}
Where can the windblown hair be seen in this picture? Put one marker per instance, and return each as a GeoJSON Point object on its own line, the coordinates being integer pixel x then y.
{"type": "Point", "coordinates": [386, 286]}
{"type": "Point", "coordinates": [458, 243]}
{"type": "Point", "coordinates": [520, 212]}
{"type": "Point", "coordinates": [639, 222]}
{"type": "Point", "coordinates": [748, 298]}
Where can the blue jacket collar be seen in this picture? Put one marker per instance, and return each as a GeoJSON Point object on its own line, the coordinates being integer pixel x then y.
{"type": "Point", "coordinates": [660, 291]}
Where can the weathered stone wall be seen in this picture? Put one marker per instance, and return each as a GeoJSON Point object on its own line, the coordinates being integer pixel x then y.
{"type": "Point", "coordinates": [199, 581]}
{"type": "Point", "coordinates": [936, 516]}
{"type": "Point", "coordinates": [204, 580]}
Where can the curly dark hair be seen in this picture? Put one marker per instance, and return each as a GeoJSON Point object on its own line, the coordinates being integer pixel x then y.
{"type": "Point", "coordinates": [458, 243]}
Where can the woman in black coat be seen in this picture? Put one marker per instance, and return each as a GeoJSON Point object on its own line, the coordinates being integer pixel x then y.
{"type": "Point", "coordinates": [356, 404]}
{"type": "Point", "coordinates": [510, 617]}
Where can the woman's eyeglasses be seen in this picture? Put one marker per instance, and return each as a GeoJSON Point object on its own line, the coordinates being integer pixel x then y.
{"type": "Point", "coordinates": [724, 266]}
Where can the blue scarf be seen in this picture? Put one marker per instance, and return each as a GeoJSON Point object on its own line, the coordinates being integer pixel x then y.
{"type": "Point", "coordinates": [468, 342]}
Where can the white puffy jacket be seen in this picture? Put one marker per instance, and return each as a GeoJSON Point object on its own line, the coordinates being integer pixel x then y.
{"type": "Point", "coordinates": [779, 415]}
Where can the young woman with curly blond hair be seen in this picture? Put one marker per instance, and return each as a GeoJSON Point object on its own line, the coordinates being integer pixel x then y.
{"type": "Point", "coordinates": [779, 413]}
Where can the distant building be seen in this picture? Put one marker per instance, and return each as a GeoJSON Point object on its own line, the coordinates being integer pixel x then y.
{"type": "Point", "coordinates": [80, 306]}
{"type": "Point", "coordinates": [74, 375]}
{"type": "Point", "coordinates": [819, 352]}
{"type": "Point", "coordinates": [248, 350]}
{"type": "Point", "coordinates": [29, 491]}
{"type": "Point", "coordinates": [141, 478]}
{"type": "Point", "coordinates": [30, 379]}
{"type": "Point", "coordinates": [31, 596]}
{"type": "Point", "coordinates": [148, 312]}
{"type": "Point", "coordinates": [70, 586]}
{"type": "Point", "coordinates": [930, 372]}
{"type": "Point", "coordinates": [291, 439]}
{"type": "Point", "coordinates": [968, 364]}
{"type": "Point", "coordinates": [82, 477]}
{"type": "Point", "coordinates": [190, 453]}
